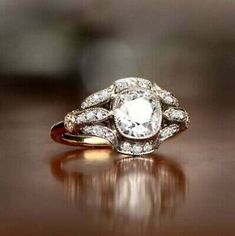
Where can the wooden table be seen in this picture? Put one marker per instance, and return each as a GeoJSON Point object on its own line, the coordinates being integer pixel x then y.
{"type": "Point", "coordinates": [185, 188]}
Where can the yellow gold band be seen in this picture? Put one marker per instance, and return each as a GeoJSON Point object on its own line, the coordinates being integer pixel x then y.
{"type": "Point", "coordinates": [60, 135]}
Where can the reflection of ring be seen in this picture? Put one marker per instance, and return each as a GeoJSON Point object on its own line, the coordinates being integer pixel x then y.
{"type": "Point", "coordinates": [136, 188]}
{"type": "Point", "coordinates": [133, 115]}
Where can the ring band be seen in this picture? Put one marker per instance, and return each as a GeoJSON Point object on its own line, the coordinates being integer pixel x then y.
{"type": "Point", "coordinates": [133, 115]}
{"type": "Point", "coordinates": [60, 135]}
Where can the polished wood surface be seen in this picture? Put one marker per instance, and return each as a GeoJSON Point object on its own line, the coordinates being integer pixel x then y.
{"type": "Point", "coordinates": [184, 188]}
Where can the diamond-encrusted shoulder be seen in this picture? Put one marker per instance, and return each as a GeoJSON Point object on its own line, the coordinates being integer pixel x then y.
{"type": "Point", "coordinates": [176, 114]}
{"type": "Point", "coordinates": [130, 82]}
{"type": "Point", "coordinates": [84, 117]}
{"type": "Point", "coordinates": [92, 115]}
{"type": "Point", "coordinates": [168, 132]}
{"type": "Point", "coordinates": [97, 98]}
{"type": "Point", "coordinates": [165, 96]}
{"type": "Point", "coordinates": [101, 132]}
{"type": "Point", "coordinates": [144, 83]}
{"type": "Point", "coordinates": [70, 120]}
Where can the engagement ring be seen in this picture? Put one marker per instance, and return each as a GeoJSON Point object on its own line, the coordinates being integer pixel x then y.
{"type": "Point", "coordinates": [133, 115]}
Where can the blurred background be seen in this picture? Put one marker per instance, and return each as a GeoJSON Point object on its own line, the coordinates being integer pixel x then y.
{"type": "Point", "coordinates": [55, 52]}
{"type": "Point", "coordinates": [187, 45]}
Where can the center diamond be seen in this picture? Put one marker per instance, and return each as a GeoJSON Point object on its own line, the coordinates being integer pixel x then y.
{"type": "Point", "coordinates": [137, 113]}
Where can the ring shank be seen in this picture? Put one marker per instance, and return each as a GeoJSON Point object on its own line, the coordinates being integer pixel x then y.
{"type": "Point", "coordinates": [60, 135]}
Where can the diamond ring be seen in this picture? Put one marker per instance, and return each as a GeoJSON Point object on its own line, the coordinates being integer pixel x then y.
{"type": "Point", "coordinates": [133, 115]}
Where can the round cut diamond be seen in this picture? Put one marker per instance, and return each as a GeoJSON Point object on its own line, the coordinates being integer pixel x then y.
{"type": "Point", "coordinates": [137, 149]}
{"type": "Point", "coordinates": [137, 113]}
{"type": "Point", "coordinates": [147, 147]}
{"type": "Point", "coordinates": [126, 147]}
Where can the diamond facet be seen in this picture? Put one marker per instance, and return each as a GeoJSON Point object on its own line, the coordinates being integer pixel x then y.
{"type": "Point", "coordinates": [137, 113]}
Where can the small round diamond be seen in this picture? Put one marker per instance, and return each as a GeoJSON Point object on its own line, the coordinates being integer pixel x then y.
{"type": "Point", "coordinates": [126, 147]}
{"type": "Point", "coordinates": [70, 121]}
{"type": "Point", "coordinates": [99, 131]}
{"type": "Point", "coordinates": [137, 149]}
{"type": "Point", "coordinates": [99, 114]}
{"type": "Point", "coordinates": [174, 114]}
{"type": "Point", "coordinates": [147, 147]}
{"type": "Point", "coordinates": [90, 116]}
{"type": "Point", "coordinates": [144, 83]}
{"type": "Point", "coordinates": [79, 119]}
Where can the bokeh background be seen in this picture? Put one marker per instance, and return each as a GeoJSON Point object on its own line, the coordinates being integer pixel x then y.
{"type": "Point", "coordinates": [55, 52]}
{"type": "Point", "coordinates": [187, 45]}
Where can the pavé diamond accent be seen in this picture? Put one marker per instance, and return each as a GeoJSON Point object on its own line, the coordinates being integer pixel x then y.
{"type": "Point", "coordinates": [78, 118]}
{"type": "Point", "coordinates": [92, 115]}
{"type": "Point", "coordinates": [127, 83]}
{"type": "Point", "coordinates": [97, 98]}
{"type": "Point", "coordinates": [148, 147]}
{"type": "Point", "coordinates": [166, 97]}
{"type": "Point", "coordinates": [144, 83]}
{"type": "Point", "coordinates": [176, 114]}
{"type": "Point", "coordinates": [101, 132]}
{"type": "Point", "coordinates": [137, 113]}
{"type": "Point", "coordinates": [136, 148]}
{"type": "Point", "coordinates": [70, 121]}
{"type": "Point", "coordinates": [168, 132]}
{"type": "Point", "coordinates": [126, 147]}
